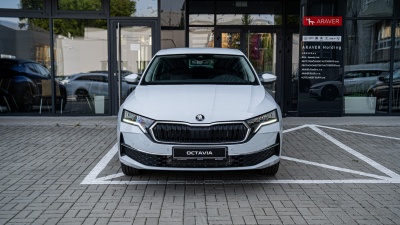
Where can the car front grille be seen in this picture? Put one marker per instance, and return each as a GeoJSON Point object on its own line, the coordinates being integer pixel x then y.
{"type": "Point", "coordinates": [214, 133]}
{"type": "Point", "coordinates": [231, 161]}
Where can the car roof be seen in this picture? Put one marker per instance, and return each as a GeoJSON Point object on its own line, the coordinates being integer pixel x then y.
{"type": "Point", "coordinates": [179, 51]}
{"type": "Point", "coordinates": [76, 75]}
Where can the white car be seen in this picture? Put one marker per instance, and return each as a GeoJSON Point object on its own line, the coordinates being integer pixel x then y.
{"type": "Point", "coordinates": [358, 81]}
{"type": "Point", "coordinates": [199, 109]}
{"type": "Point", "coordinates": [84, 85]}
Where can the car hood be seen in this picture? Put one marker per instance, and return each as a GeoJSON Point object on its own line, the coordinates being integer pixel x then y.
{"type": "Point", "coordinates": [184, 102]}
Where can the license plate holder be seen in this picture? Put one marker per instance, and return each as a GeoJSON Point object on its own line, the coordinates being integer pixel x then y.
{"type": "Point", "coordinates": [184, 153]}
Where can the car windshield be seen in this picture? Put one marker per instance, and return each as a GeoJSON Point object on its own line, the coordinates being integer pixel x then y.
{"type": "Point", "coordinates": [396, 76]}
{"type": "Point", "coordinates": [199, 69]}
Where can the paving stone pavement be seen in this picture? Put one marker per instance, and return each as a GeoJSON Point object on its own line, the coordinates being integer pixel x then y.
{"type": "Point", "coordinates": [322, 180]}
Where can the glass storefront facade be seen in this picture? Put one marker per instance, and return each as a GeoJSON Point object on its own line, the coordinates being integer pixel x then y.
{"type": "Point", "coordinates": [69, 57]}
{"type": "Point", "coordinates": [371, 57]}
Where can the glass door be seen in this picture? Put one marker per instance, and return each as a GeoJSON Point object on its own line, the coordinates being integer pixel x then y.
{"type": "Point", "coordinates": [258, 45]}
{"type": "Point", "coordinates": [291, 81]}
{"type": "Point", "coordinates": [132, 50]}
{"type": "Point", "coordinates": [229, 39]}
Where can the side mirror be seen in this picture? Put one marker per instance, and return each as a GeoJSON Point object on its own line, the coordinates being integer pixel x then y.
{"type": "Point", "coordinates": [268, 78]}
{"type": "Point", "coordinates": [132, 78]}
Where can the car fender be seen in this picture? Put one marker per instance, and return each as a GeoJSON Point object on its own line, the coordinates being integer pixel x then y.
{"type": "Point", "coordinates": [20, 79]}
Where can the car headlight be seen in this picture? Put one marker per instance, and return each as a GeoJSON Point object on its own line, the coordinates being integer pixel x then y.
{"type": "Point", "coordinates": [142, 122]}
{"type": "Point", "coordinates": [257, 122]}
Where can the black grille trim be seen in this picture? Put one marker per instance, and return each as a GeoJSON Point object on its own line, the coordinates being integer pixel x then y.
{"type": "Point", "coordinates": [232, 161]}
{"type": "Point", "coordinates": [166, 132]}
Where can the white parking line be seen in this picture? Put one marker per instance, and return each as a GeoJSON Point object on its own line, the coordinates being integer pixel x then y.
{"type": "Point", "coordinates": [335, 168]}
{"type": "Point", "coordinates": [357, 154]}
{"type": "Point", "coordinates": [92, 177]}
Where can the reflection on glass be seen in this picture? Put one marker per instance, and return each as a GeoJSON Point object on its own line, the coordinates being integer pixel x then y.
{"type": "Point", "coordinates": [22, 4]}
{"type": "Point", "coordinates": [230, 40]}
{"type": "Point", "coordinates": [172, 39]}
{"type": "Point", "coordinates": [248, 19]}
{"type": "Point", "coordinates": [122, 8]}
{"type": "Point", "coordinates": [136, 46]}
{"type": "Point", "coordinates": [172, 23]}
{"type": "Point", "coordinates": [249, 7]}
{"type": "Point", "coordinates": [369, 8]}
{"type": "Point", "coordinates": [380, 92]}
{"type": "Point", "coordinates": [200, 6]}
{"type": "Point", "coordinates": [172, 14]}
{"type": "Point", "coordinates": [201, 19]}
{"type": "Point", "coordinates": [260, 50]}
{"type": "Point", "coordinates": [82, 64]}
{"type": "Point", "coordinates": [293, 12]}
{"type": "Point", "coordinates": [79, 5]}
{"type": "Point", "coordinates": [25, 79]}
{"type": "Point", "coordinates": [395, 90]}
{"type": "Point", "coordinates": [292, 20]}
{"type": "Point", "coordinates": [367, 59]}
{"type": "Point", "coordinates": [294, 90]}
{"type": "Point", "coordinates": [201, 37]}
{"type": "Point", "coordinates": [397, 46]}
{"type": "Point", "coordinates": [133, 8]}
{"type": "Point", "coordinates": [396, 73]}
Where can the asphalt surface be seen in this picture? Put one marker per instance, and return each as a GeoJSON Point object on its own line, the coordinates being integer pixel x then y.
{"type": "Point", "coordinates": [64, 170]}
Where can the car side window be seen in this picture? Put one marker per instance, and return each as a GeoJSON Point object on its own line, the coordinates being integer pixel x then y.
{"type": "Point", "coordinates": [42, 70]}
{"type": "Point", "coordinates": [396, 75]}
{"type": "Point", "coordinates": [352, 75]}
{"type": "Point", "coordinates": [98, 79]}
{"type": "Point", "coordinates": [373, 74]}
{"type": "Point", "coordinates": [31, 67]}
{"type": "Point", "coordinates": [83, 78]}
{"type": "Point", "coordinates": [95, 78]}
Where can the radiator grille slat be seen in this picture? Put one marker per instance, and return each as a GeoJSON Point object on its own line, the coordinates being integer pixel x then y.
{"type": "Point", "coordinates": [217, 133]}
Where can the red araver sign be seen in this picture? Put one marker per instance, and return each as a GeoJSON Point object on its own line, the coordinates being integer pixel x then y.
{"type": "Point", "coordinates": [322, 21]}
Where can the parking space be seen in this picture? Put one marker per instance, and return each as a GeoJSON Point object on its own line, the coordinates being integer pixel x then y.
{"type": "Point", "coordinates": [311, 155]}
{"type": "Point", "coordinates": [65, 170]}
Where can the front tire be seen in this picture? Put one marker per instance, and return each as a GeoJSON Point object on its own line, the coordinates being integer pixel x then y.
{"type": "Point", "coordinates": [272, 170]}
{"type": "Point", "coordinates": [24, 98]}
{"type": "Point", "coordinates": [81, 94]}
{"type": "Point", "coordinates": [129, 171]}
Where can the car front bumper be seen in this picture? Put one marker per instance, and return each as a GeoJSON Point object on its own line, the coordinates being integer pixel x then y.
{"type": "Point", "coordinates": [262, 150]}
{"type": "Point", "coordinates": [315, 92]}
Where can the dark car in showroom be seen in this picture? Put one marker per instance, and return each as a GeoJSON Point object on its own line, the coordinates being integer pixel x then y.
{"type": "Point", "coordinates": [380, 91]}
{"type": "Point", "coordinates": [25, 84]}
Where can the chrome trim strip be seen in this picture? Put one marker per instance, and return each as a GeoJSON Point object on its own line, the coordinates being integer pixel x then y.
{"type": "Point", "coordinates": [200, 125]}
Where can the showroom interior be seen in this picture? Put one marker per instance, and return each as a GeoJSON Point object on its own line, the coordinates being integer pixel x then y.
{"type": "Point", "coordinates": [70, 57]}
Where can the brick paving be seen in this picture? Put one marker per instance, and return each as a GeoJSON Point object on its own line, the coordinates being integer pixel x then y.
{"type": "Point", "coordinates": [44, 160]}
